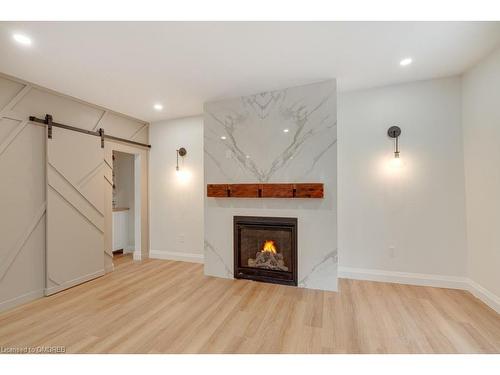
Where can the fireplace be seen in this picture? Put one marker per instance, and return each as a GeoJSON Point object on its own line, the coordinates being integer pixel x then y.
{"type": "Point", "coordinates": [265, 249]}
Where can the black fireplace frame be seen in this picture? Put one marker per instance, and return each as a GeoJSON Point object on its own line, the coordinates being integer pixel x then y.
{"type": "Point", "coordinates": [259, 274]}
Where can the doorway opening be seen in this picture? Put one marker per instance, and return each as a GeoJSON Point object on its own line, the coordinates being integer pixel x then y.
{"type": "Point", "coordinates": [124, 203]}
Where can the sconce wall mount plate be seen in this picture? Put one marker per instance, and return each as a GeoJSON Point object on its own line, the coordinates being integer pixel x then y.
{"type": "Point", "coordinates": [394, 131]}
{"type": "Point", "coordinates": [182, 151]}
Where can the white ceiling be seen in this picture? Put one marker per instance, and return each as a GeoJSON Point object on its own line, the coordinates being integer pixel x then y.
{"type": "Point", "coordinates": [129, 66]}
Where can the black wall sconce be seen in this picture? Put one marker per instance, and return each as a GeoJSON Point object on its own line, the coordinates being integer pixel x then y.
{"type": "Point", "coordinates": [180, 152]}
{"type": "Point", "coordinates": [395, 132]}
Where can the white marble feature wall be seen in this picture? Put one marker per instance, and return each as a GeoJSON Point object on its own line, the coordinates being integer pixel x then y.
{"type": "Point", "coordinates": [278, 136]}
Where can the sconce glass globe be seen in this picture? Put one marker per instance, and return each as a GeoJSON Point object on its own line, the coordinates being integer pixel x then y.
{"type": "Point", "coordinates": [396, 162]}
{"type": "Point", "coordinates": [183, 175]}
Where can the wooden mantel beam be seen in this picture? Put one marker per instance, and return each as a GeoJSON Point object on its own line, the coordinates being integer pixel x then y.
{"type": "Point", "coordinates": [299, 190]}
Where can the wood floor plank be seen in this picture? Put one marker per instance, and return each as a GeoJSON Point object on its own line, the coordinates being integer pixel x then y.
{"type": "Point", "coordinates": [158, 306]}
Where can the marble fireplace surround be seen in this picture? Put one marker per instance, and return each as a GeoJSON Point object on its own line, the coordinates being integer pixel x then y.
{"type": "Point", "coordinates": [283, 136]}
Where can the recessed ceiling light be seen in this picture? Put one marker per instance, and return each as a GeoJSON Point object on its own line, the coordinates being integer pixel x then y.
{"type": "Point", "coordinates": [286, 130]}
{"type": "Point", "coordinates": [223, 137]}
{"type": "Point", "coordinates": [158, 107]}
{"type": "Point", "coordinates": [22, 39]}
{"type": "Point", "coordinates": [406, 61]}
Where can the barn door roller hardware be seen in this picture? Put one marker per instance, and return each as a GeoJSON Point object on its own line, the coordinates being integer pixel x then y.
{"type": "Point", "coordinates": [100, 133]}
{"type": "Point", "coordinates": [48, 120]}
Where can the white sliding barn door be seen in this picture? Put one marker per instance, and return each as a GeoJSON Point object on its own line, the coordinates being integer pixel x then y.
{"type": "Point", "coordinates": [75, 209]}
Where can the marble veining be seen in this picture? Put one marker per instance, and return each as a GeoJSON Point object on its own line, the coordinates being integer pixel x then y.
{"type": "Point", "coordinates": [211, 249]}
{"type": "Point", "coordinates": [332, 255]}
{"type": "Point", "coordinates": [283, 136]}
{"type": "Point", "coordinates": [301, 130]}
{"type": "Point", "coordinates": [318, 157]}
{"type": "Point", "coordinates": [262, 103]}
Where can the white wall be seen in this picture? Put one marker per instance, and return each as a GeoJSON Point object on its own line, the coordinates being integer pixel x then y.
{"type": "Point", "coordinates": [481, 121]}
{"type": "Point", "coordinates": [419, 209]}
{"type": "Point", "coordinates": [177, 200]}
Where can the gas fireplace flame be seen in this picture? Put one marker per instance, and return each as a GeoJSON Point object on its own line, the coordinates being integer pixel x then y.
{"type": "Point", "coordinates": [269, 247]}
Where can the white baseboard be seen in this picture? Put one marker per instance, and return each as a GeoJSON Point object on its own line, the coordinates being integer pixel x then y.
{"type": "Point", "coordinates": [484, 295]}
{"type": "Point", "coordinates": [16, 301]}
{"type": "Point", "coordinates": [438, 281]}
{"type": "Point", "coordinates": [129, 249]}
{"type": "Point", "coordinates": [172, 255]}
{"type": "Point", "coordinates": [137, 255]}
{"type": "Point", "coordinates": [421, 279]}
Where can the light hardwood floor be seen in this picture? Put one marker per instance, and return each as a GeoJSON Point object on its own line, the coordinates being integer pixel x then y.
{"type": "Point", "coordinates": [159, 306]}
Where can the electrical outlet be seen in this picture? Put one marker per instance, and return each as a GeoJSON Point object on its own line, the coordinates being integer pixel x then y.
{"type": "Point", "coordinates": [392, 251]}
{"type": "Point", "coordinates": [182, 238]}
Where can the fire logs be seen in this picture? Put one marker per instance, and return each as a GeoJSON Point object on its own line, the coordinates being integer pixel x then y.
{"type": "Point", "coordinates": [268, 260]}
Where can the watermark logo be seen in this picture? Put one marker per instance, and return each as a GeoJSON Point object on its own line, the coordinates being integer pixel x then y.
{"type": "Point", "coordinates": [33, 350]}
